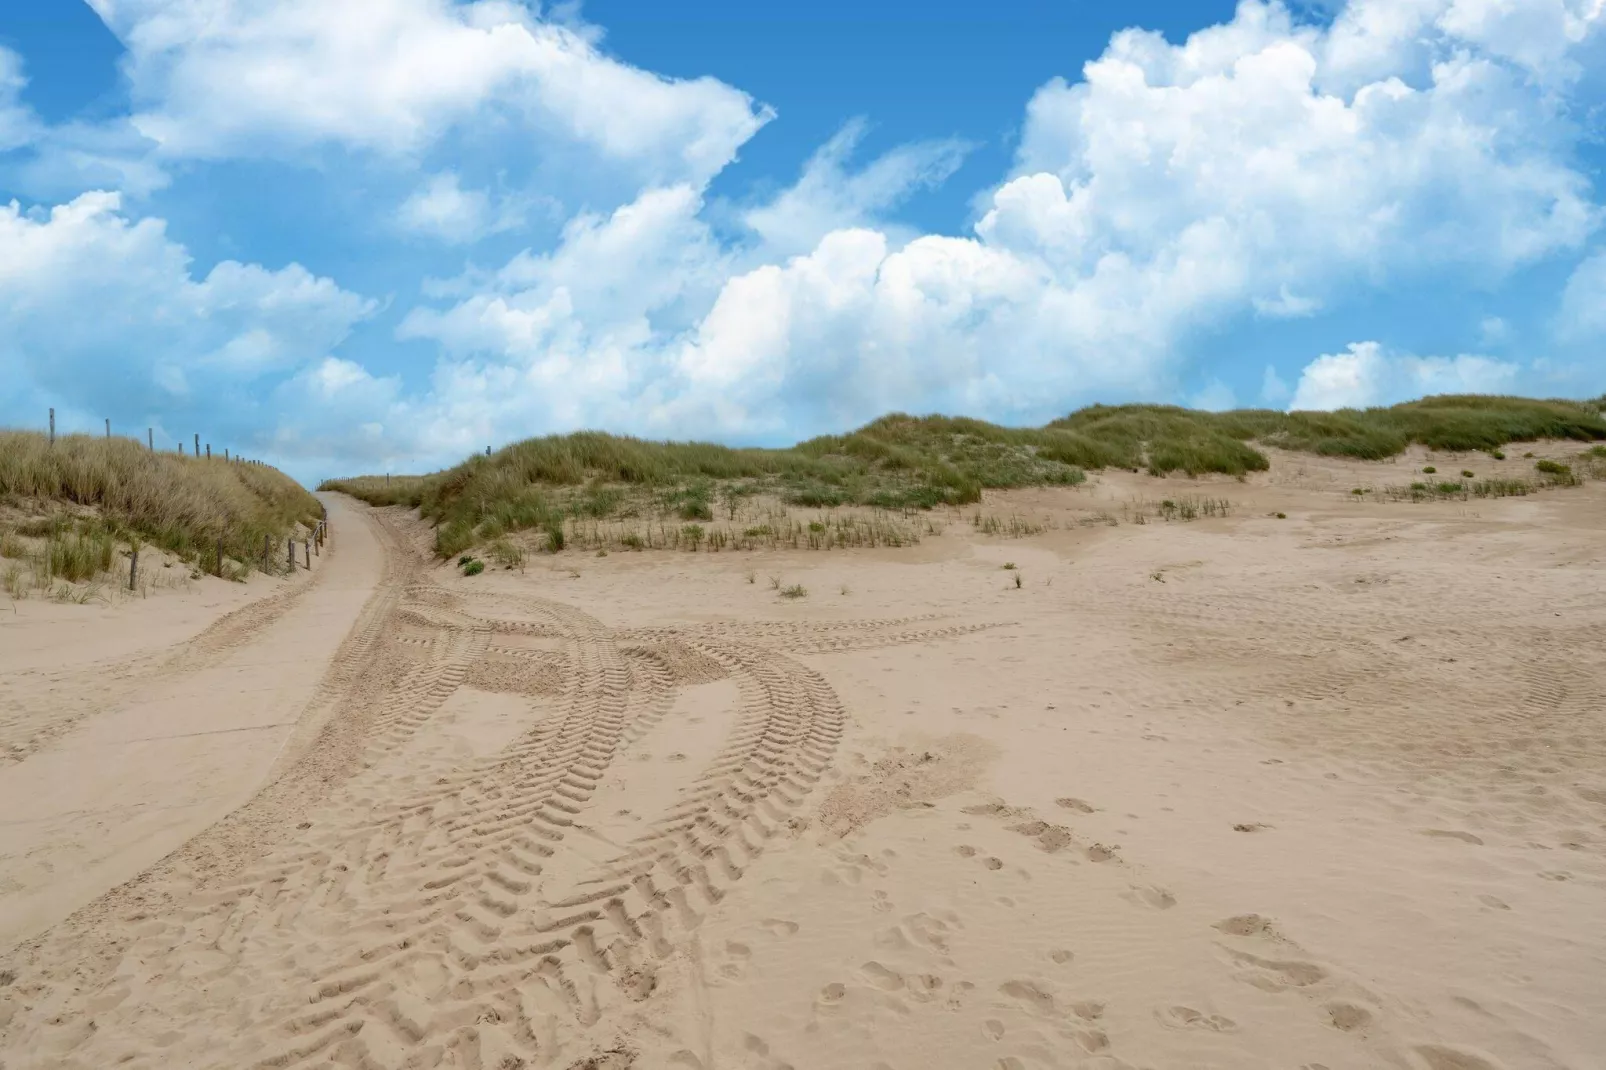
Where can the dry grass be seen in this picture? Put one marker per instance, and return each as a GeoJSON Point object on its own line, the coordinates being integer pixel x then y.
{"type": "Point", "coordinates": [76, 504]}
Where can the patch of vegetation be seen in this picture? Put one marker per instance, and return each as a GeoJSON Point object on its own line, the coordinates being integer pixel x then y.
{"type": "Point", "coordinates": [794, 591]}
{"type": "Point", "coordinates": [1428, 469]}
{"type": "Point", "coordinates": [901, 463]}
{"type": "Point", "coordinates": [474, 567]}
{"type": "Point", "coordinates": [97, 494]}
{"type": "Point", "coordinates": [1552, 468]}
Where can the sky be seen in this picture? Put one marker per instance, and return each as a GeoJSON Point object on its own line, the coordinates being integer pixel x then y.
{"type": "Point", "coordinates": [380, 236]}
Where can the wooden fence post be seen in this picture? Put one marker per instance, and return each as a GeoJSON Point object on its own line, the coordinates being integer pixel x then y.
{"type": "Point", "coordinates": [290, 547]}
{"type": "Point", "coordinates": [209, 451]}
{"type": "Point", "coordinates": [307, 548]}
{"type": "Point", "coordinates": [150, 439]}
{"type": "Point", "coordinates": [197, 447]}
{"type": "Point", "coordinates": [108, 427]}
{"type": "Point", "coordinates": [52, 427]}
{"type": "Point", "coordinates": [267, 544]}
{"type": "Point", "coordinates": [133, 567]}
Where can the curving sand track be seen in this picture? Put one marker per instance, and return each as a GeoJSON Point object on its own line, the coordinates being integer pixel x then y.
{"type": "Point", "coordinates": [1316, 793]}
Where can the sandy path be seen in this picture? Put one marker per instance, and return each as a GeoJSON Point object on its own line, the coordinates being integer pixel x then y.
{"type": "Point", "coordinates": [185, 746]}
{"type": "Point", "coordinates": [1322, 791]}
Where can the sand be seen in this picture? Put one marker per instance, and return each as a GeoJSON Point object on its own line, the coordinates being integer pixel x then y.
{"type": "Point", "coordinates": [1325, 790]}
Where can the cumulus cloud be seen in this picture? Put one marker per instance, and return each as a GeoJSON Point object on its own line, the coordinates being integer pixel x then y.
{"type": "Point", "coordinates": [1174, 187]}
{"type": "Point", "coordinates": [1583, 302]}
{"type": "Point", "coordinates": [104, 309]}
{"type": "Point", "coordinates": [217, 78]}
{"type": "Point", "coordinates": [1263, 168]}
{"type": "Point", "coordinates": [1365, 374]}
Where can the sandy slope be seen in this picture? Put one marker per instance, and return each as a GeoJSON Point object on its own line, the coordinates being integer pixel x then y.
{"type": "Point", "coordinates": [1323, 791]}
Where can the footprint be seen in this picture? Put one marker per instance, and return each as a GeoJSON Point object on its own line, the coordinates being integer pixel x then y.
{"type": "Point", "coordinates": [1089, 1010]}
{"type": "Point", "coordinates": [965, 850]}
{"type": "Point", "coordinates": [1100, 853]}
{"type": "Point", "coordinates": [1153, 896]}
{"type": "Point", "coordinates": [1245, 925]}
{"type": "Point", "coordinates": [1494, 901]}
{"type": "Point", "coordinates": [1074, 804]}
{"type": "Point", "coordinates": [1061, 956]}
{"type": "Point", "coordinates": [1347, 1017]}
{"type": "Point", "coordinates": [881, 977]}
{"type": "Point", "coordinates": [993, 863]}
{"type": "Point", "coordinates": [1451, 834]}
{"type": "Point", "coordinates": [1272, 975]}
{"type": "Point", "coordinates": [993, 1028]}
{"type": "Point", "coordinates": [1030, 996]}
{"type": "Point", "coordinates": [833, 993]}
{"type": "Point", "coordinates": [1180, 1017]}
{"type": "Point", "coordinates": [1441, 1057]}
{"type": "Point", "coordinates": [779, 927]}
{"type": "Point", "coordinates": [1555, 875]}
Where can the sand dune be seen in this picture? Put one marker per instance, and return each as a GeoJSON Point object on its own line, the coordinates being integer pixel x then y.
{"type": "Point", "coordinates": [1326, 790]}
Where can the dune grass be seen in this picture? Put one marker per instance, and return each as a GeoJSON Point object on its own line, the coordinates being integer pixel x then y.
{"type": "Point", "coordinates": [85, 496]}
{"type": "Point", "coordinates": [901, 462]}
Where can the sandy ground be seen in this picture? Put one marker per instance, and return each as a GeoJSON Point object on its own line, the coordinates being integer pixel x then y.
{"type": "Point", "coordinates": [1321, 791]}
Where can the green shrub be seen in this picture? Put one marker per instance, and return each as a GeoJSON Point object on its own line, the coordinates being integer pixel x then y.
{"type": "Point", "coordinates": [1428, 469]}
{"type": "Point", "coordinates": [1467, 474]}
{"type": "Point", "coordinates": [1498, 454]}
{"type": "Point", "coordinates": [796, 590]}
{"type": "Point", "coordinates": [1552, 468]}
{"type": "Point", "coordinates": [474, 568]}
{"type": "Point", "coordinates": [554, 534]}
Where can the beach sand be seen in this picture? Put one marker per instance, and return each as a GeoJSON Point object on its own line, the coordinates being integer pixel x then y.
{"type": "Point", "coordinates": [1324, 790]}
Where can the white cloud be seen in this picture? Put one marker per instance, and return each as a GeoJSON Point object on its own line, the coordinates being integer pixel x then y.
{"type": "Point", "coordinates": [217, 78]}
{"type": "Point", "coordinates": [104, 309]}
{"type": "Point", "coordinates": [828, 196]}
{"type": "Point", "coordinates": [1366, 375]}
{"type": "Point", "coordinates": [1583, 302]}
{"type": "Point", "coordinates": [1175, 187]}
{"type": "Point", "coordinates": [442, 209]}
{"type": "Point", "coordinates": [18, 125]}
{"type": "Point", "coordinates": [1216, 396]}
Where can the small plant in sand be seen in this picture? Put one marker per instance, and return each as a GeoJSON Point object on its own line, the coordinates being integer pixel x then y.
{"type": "Point", "coordinates": [11, 546]}
{"type": "Point", "coordinates": [602, 553]}
{"type": "Point", "coordinates": [555, 537]}
{"type": "Point", "coordinates": [1552, 468]}
{"type": "Point", "coordinates": [1157, 576]}
{"type": "Point", "coordinates": [794, 591]}
{"type": "Point", "coordinates": [752, 577]}
{"type": "Point", "coordinates": [1282, 516]}
{"type": "Point", "coordinates": [1017, 581]}
{"type": "Point", "coordinates": [845, 590]}
{"type": "Point", "coordinates": [474, 567]}
{"type": "Point", "coordinates": [1428, 469]}
{"type": "Point", "coordinates": [1498, 455]}
{"type": "Point", "coordinates": [1358, 490]}
{"type": "Point", "coordinates": [507, 554]}
{"type": "Point", "coordinates": [1467, 473]}
{"type": "Point", "coordinates": [775, 583]}
{"type": "Point", "coordinates": [1009, 566]}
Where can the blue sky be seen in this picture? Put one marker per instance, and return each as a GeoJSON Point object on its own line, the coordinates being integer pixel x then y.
{"type": "Point", "coordinates": [363, 239]}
